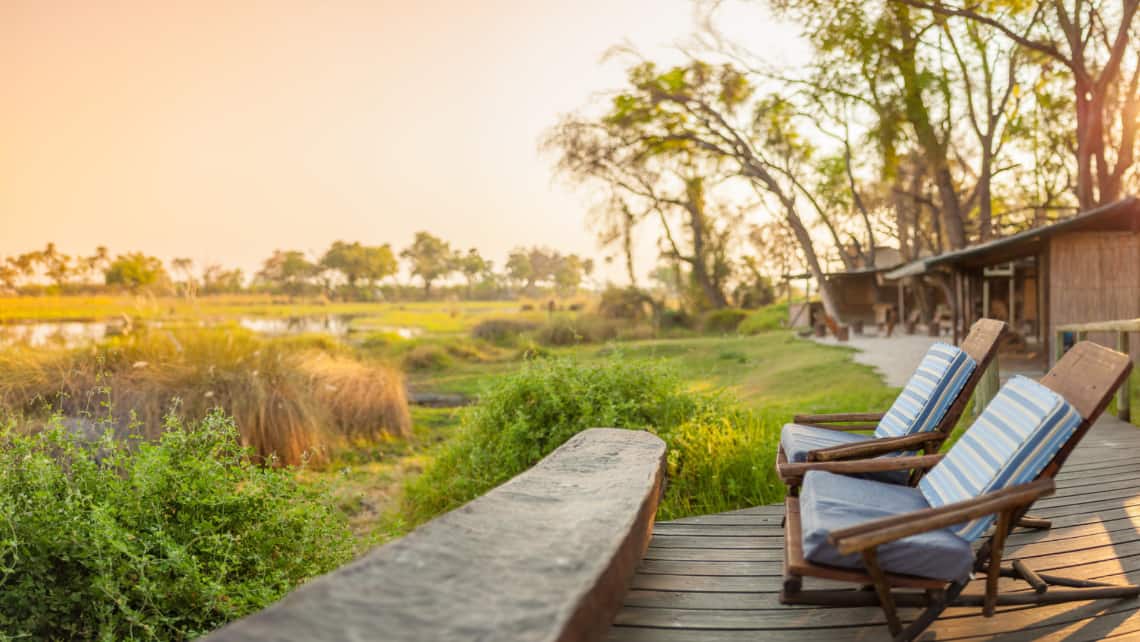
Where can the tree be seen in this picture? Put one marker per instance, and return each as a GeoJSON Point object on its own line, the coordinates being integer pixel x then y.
{"type": "Point", "coordinates": [1105, 79]}
{"type": "Point", "coordinates": [358, 262]}
{"type": "Point", "coordinates": [568, 273]}
{"type": "Point", "coordinates": [185, 268]}
{"type": "Point", "coordinates": [519, 269]}
{"type": "Point", "coordinates": [218, 280]}
{"type": "Point", "coordinates": [96, 263]}
{"type": "Point", "coordinates": [430, 258]}
{"type": "Point", "coordinates": [9, 275]}
{"type": "Point", "coordinates": [474, 267]}
{"type": "Point", "coordinates": [287, 270]}
{"type": "Point", "coordinates": [135, 270]}
{"type": "Point", "coordinates": [641, 184]}
{"type": "Point", "coordinates": [707, 113]}
{"type": "Point", "coordinates": [56, 265]}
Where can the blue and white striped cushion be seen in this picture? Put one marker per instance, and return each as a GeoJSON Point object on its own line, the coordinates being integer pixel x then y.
{"type": "Point", "coordinates": [928, 395]}
{"type": "Point", "coordinates": [1010, 443]}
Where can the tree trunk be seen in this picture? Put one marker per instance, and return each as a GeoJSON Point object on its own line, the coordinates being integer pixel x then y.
{"type": "Point", "coordinates": [627, 248]}
{"type": "Point", "coordinates": [985, 203]}
{"type": "Point", "coordinates": [695, 205]}
{"type": "Point", "coordinates": [934, 149]}
{"type": "Point", "coordinates": [826, 290]}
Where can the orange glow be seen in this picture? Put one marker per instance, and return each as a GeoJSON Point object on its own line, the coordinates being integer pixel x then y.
{"type": "Point", "coordinates": [223, 130]}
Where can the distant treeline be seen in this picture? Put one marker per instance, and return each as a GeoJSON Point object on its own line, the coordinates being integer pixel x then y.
{"type": "Point", "coordinates": [348, 271]}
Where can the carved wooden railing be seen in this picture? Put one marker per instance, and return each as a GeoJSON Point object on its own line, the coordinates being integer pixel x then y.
{"type": "Point", "coordinates": [548, 555]}
{"type": "Point", "coordinates": [1120, 328]}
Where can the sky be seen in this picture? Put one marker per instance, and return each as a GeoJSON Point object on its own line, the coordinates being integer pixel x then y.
{"type": "Point", "coordinates": [221, 130]}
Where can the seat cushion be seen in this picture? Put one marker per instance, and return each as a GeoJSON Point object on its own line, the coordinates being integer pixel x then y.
{"type": "Point", "coordinates": [929, 392]}
{"type": "Point", "coordinates": [1017, 434]}
{"type": "Point", "coordinates": [797, 441]}
{"type": "Point", "coordinates": [829, 502]}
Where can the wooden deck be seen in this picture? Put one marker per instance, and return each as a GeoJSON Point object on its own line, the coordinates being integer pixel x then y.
{"type": "Point", "coordinates": [717, 577]}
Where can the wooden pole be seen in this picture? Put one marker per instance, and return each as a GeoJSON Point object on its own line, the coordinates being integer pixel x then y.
{"type": "Point", "coordinates": [958, 312]}
{"type": "Point", "coordinates": [1012, 297]}
{"type": "Point", "coordinates": [1124, 395]}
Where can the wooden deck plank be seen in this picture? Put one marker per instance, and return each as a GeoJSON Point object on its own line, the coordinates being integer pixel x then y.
{"type": "Point", "coordinates": [716, 578]}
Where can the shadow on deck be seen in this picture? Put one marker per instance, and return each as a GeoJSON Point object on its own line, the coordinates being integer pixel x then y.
{"type": "Point", "coordinates": [717, 577]}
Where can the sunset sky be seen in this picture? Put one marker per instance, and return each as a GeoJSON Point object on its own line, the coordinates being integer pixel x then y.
{"type": "Point", "coordinates": [223, 130]}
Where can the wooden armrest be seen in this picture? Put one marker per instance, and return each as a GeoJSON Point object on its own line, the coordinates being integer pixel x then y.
{"type": "Point", "coordinates": [847, 427]}
{"type": "Point", "coordinates": [874, 447]}
{"type": "Point", "coordinates": [838, 417]}
{"type": "Point", "coordinates": [888, 529]}
{"type": "Point", "coordinates": [877, 465]}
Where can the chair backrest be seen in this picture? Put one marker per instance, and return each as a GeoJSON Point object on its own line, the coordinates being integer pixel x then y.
{"type": "Point", "coordinates": [1012, 441]}
{"type": "Point", "coordinates": [929, 392]}
{"type": "Point", "coordinates": [1087, 376]}
{"type": "Point", "coordinates": [1062, 408]}
{"type": "Point", "coordinates": [980, 346]}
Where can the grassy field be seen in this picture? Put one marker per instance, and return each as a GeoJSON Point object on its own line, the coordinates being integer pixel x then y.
{"type": "Point", "coordinates": [772, 373]}
{"type": "Point", "coordinates": [431, 317]}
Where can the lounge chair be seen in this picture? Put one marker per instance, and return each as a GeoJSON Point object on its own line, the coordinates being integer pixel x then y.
{"type": "Point", "coordinates": [898, 538]}
{"type": "Point", "coordinates": [920, 419]}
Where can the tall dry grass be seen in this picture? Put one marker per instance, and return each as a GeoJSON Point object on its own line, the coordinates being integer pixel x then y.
{"type": "Point", "coordinates": [291, 398]}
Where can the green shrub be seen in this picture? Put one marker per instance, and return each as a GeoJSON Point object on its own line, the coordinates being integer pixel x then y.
{"type": "Point", "coordinates": [629, 304]}
{"type": "Point", "coordinates": [724, 321]}
{"type": "Point", "coordinates": [772, 317]}
{"type": "Point", "coordinates": [528, 414]}
{"type": "Point", "coordinates": [161, 540]}
{"type": "Point", "coordinates": [675, 319]}
{"type": "Point", "coordinates": [427, 357]}
{"type": "Point", "coordinates": [565, 331]}
{"type": "Point", "coordinates": [380, 341]}
{"type": "Point", "coordinates": [502, 332]}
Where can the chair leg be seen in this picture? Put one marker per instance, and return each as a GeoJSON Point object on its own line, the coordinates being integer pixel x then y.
{"type": "Point", "coordinates": [938, 604]}
{"type": "Point", "coordinates": [886, 600]}
{"type": "Point", "coordinates": [994, 570]}
{"type": "Point", "coordinates": [1034, 523]}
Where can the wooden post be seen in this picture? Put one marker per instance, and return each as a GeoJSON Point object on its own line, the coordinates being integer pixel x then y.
{"type": "Point", "coordinates": [958, 314]}
{"type": "Point", "coordinates": [1124, 395]}
{"type": "Point", "coordinates": [902, 302]}
{"type": "Point", "coordinates": [987, 387]}
{"type": "Point", "coordinates": [1012, 297]}
{"type": "Point", "coordinates": [985, 297]}
{"type": "Point", "coordinates": [1059, 348]}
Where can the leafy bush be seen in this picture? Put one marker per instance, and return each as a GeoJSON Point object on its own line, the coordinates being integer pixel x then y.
{"type": "Point", "coordinates": [427, 357]}
{"type": "Point", "coordinates": [723, 321]}
{"type": "Point", "coordinates": [160, 540]}
{"type": "Point", "coordinates": [503, 332]}
{"type": "Point", "coordinates": [528, 414]}
{"type": "Point", "coordinates": [565, 331]}
{"type": "Point", "coordinates": [629, 304]}
{"type": "Point", "coordinates": [380, 341]}
{"type": "Point", "coordinates": [675, 319]}
{"type": "Point", "coordinates": [772, 317]}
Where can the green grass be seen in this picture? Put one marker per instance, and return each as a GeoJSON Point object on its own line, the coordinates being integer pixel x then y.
{"type": "Point", "coordinates": [772, 374]}
{"type": "Point", "coordinates": [430, 317]}
{"type": "Point", "coordinates": [768, 370]}
{"type": "Point", "coordinates": [769, 377]}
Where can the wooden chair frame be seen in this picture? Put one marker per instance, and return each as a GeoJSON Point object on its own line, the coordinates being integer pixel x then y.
{"type": "Point", "coordinates": [1087, 376]}
{"type": "Point", "coordinates": [982, 346]}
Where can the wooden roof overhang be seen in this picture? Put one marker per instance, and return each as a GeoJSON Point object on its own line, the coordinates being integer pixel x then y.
{"type": "Point", "coordinates": [1123, 215]}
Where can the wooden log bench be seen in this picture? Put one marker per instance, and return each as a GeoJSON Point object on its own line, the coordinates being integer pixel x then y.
{"type": "Point", "coordinates": [548, 555]}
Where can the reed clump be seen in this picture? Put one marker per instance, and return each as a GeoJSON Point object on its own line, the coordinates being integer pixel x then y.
{"type": "Point", "coordinates": [291, 399]}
